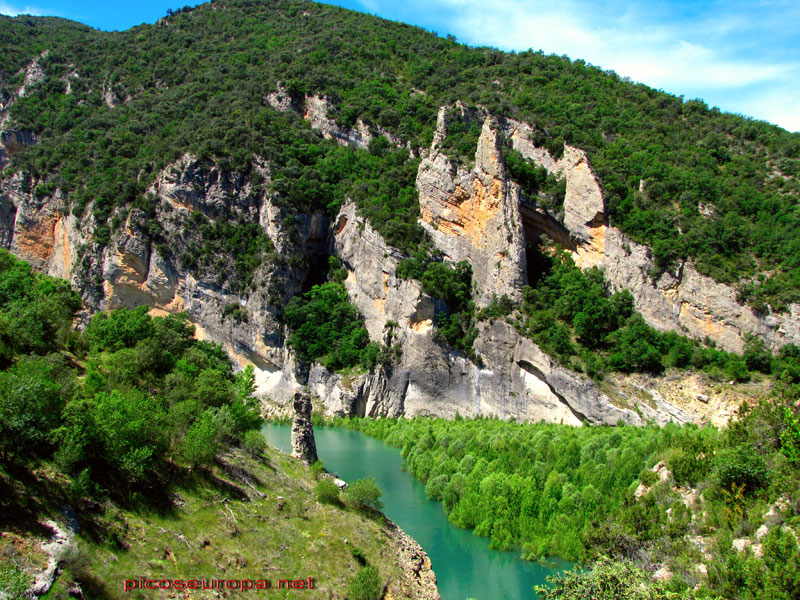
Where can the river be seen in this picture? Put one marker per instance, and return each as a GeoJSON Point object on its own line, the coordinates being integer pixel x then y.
{"type": "Point", "coordinates": [465, 566]}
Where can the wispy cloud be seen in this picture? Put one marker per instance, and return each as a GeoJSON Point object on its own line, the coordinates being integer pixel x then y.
{"type": "Point", "coordinates": [741, 56]}
{"type": "Point", "coordinates": [13, 11]}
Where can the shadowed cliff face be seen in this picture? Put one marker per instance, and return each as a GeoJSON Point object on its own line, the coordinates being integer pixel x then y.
{"type": "Point", "coordinates": [475, 214]}
{"type": "Point", "coordinates": [682, 300]}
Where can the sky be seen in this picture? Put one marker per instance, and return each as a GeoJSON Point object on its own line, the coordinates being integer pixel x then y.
{"type": "Point", "coordinates": [742, 56]}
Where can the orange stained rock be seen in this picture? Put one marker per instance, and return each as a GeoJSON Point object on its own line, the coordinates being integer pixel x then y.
{"type": "Point", "coordinates": [467, 214]}
{"type": "Point", "coordinates": [592, 253]}
{"type": "Point", "coordinates": [38, 240]}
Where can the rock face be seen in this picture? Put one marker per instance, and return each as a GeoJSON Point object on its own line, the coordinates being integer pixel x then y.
{"type": "Point", "coordinates": [317, 109]}
{"type": "Point", "coordinates": [683, 300]}
{"type": "Point", "coordinates": [303, 445]}
{"type": "Point", "coordinates": [418, 579]}
{"type": "Point", "coordinates": [516, 379]}
{"type": "Point", "coordinates": [475, 214]}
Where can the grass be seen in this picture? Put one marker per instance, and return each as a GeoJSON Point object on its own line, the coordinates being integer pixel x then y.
{"type": "Point", "coordinates": [213, 525]}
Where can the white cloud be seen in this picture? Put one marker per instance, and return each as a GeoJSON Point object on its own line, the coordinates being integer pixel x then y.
{"type": "Point", "coordinates": [721, 57]}
{"type": "Point", "coordinates": [13, 11]}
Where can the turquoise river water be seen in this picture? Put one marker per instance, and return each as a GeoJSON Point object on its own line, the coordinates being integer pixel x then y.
{"type": "Point", "coordinates": [464, 565]}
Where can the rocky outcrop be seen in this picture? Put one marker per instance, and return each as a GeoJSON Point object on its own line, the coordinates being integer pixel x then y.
{"type": "Point", "coordinates": [146, 265]}
{"type": "Point", "coordinates": [55, 549]}
{"type": "Point", "coordinates": [303, 445]}
{"type": "Point", "coordinates": [317, 110]}
{"type": "Point", "coordinates": [474, 215]}
{"type": "Point", "coordinates": [775, 516]}
{"type": "Point", "coordinates": [682, 300]}
{"type": "Point", "coordinates": [584, 207]}
{"type": "Point", "coordinates": [12, 138]}
{"type": "Point", "coordinates": [418, 580]}
{"type": "Point", "coordinates": [514, 378]}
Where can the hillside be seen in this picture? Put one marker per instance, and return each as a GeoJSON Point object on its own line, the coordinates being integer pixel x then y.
{"type": "Point", "coordinates": [234, 156]}
{"type": "Point", "coordinates": [130, 450]}
{"type": "Point", "coordinates": [688, 181]}
{"type": "Point", "coordinates": [246, 198]}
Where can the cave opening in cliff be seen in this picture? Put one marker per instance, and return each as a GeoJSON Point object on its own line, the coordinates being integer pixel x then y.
{"type": "Point", "coordinates": [318, 269]}
{"type": "Point", "coordinates": [542, 233]}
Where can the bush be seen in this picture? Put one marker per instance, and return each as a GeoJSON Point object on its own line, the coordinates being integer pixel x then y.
{"type": "Point", "coordinates": [317, 469]}
{"type": "Point", "coordinates": [327, 491]}
{"type": "Point", "coordinates": [742, 465]}
{"type": "Point", "coordinates": [608, 580]}
{"type": "Point", "coordinates": [30, 407]}
{"type": "Point", "coordinates": [200, 443]}
{"type": "Point", "coordinates": [366, 585]}
{"type": "Point", "coordinates": [686, 467]}
{"type": "Point", "coordinates": [363, 495]}
{"type": "Point", "coordinates": [254, 443]}
{"type": "Point", "coordinates": [435, 487]}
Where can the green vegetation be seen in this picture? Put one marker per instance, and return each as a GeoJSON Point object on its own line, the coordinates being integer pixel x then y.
{"type": "Point", "coordinates": [718, 188]}
{"type": "Point", "coordinates": [327, 492]}
{"type": "Point", "coordinates": [572, 315]}
{"type": "Point", "coordinates": [206, 523]}
{"type": "Point", "coordinates": [462, 137]}
{"type": "Point", "coordinates": [557, 490]}
{"type": "Point", "coordinates": [327, 328]}
{"type": "Point", "coordinates": [366, 585]}
{"type": "Point", "coordinates": [363, 495]}
{"type": "Point", "coordinates": [453, 285]}
{"type": "Point", "coordinates": [608, 580]}
{"type": "Point", "coordinates": [135, 425]}
{"type": "Point", "coordinates": [231, 251]}
{"type": "Point", "coordinates": [116, 404]}
{"type": "Point", "coordinates": [535, 182]}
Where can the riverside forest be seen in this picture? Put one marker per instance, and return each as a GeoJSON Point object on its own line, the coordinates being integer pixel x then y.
{"type": "Point", "coordinates": [565, 305]}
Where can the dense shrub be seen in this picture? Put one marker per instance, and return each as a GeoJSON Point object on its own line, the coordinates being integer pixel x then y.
{"type": "Point", "coordinates": [326, 327]}
{"type": "Point", "coordinates": [327, 491]}
{"type": "Point", "coordinates": [742, 466]}
{"type": "Point", "coordinates": [150, 390]}
{"type": "Point", "coordinates": [607, 580]}
{"type": "Point", "coordinates": [363, 495]}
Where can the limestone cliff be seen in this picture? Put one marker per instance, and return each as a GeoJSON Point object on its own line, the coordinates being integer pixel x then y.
{"type": "Point", "coordinates": [475, 214]}
{"type": "Point", "coordinates": [682, 300]}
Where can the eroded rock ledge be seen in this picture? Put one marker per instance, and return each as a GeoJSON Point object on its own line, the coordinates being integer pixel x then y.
{"type": "Point", "coordinates": [418, 580]}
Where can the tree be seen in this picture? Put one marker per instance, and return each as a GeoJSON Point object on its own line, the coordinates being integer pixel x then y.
{"type": "Point", "coordinates": [200, 445]}
{"type": "Point", "coordinates": [30, 407]}
{"type": "Point", "coordinates": [608, 580]}
{"type": "Point", "coordinates": [325, 326]}
{"type": "Point", "coordinates": [119, 328]}
{"type": "Point", "coordinates": [131, 428]}
{"type": "Point", "coordinates": [212, 388]}
{"type": "Point", "coordinates": [363, 495]}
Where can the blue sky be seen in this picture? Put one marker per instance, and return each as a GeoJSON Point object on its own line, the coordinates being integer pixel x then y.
{"type": "Point", "coordinates": [743, 56]}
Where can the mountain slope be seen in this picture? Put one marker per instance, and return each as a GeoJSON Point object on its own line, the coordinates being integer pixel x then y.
{"type": "Point", "coordinates": [230, 157]}
{"type": "Point", "coordinates": [196, 82]}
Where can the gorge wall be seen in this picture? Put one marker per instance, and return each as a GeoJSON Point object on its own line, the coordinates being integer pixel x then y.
{"type": "Point", "coordinates": [476, 214]}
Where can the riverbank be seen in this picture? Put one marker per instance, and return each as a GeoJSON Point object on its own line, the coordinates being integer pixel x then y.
{"type": "Point", "coordinates": [464, 564]}
{"type": "Point", "coordinates": [242, 519]}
